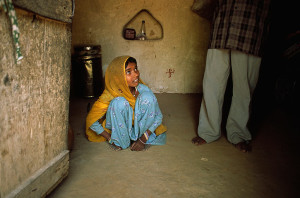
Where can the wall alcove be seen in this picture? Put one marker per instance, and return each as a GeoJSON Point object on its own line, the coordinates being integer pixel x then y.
{"type": "Point", "coordinates": [153, 28]}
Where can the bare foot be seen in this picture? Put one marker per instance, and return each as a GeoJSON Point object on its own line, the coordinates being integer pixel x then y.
{"type": "Point", "coordinates": [243, 146]}
{"type": "Point", "coordinates": [198, 141]}
{"type": "Point", "coordinates": [114, 147]}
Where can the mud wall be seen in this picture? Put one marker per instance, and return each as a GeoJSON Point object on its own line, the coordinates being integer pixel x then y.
{"type": "Point", "coordinates": [173, 64]}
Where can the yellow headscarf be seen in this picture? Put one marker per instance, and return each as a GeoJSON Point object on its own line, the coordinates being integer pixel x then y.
{"type": "Point", "coordinates": [115, 86]}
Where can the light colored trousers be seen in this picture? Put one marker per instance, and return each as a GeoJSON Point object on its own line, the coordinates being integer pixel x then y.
{"type": "Point", "coordinates": [245, 72]}
{"type": "Point", "coordinates": [147, 115]}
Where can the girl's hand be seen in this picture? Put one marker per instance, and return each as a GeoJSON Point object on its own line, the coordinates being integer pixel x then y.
{"type": "Point", "coordinates": [137, 145]}
{"type": "Point", "coordinates": [141, 142]}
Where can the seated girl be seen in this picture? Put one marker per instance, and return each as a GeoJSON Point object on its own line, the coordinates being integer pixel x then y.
{"type": "Point", "coordinates": [127, 113]}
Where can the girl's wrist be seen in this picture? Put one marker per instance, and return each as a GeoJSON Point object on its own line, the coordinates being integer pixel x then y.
{"type": "Point", "coordinates": [143, 142]}
{"type": "Point", "coordinates": [146, 136]}
{"type": "Point", "coordinates": [106, 135]}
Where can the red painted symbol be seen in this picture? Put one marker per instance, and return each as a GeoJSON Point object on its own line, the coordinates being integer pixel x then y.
{"type": "Point", "coordinates": [170, 72]}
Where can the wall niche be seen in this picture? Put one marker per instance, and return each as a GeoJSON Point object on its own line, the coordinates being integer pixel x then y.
{"type": "Point", "coordinates": [133, 28]}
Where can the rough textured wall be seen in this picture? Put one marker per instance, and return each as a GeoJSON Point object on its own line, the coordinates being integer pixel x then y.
{"type": "Point", "coordinates": [182, 49]}
{"type": "Point", "coordinates": [34, 97]}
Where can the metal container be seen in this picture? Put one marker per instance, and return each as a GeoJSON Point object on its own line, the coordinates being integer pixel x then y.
{"type": "Point", "coordinates": [88, 71]}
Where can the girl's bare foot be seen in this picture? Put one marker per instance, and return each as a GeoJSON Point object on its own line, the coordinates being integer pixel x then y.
{"type": "Point", "coordinates": [114, 147]}
{"type": "Point", "coordinates": [107, 136]}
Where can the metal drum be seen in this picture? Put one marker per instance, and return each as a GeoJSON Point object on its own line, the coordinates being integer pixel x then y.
{"type": "Point", "coordinates": [88, 69]}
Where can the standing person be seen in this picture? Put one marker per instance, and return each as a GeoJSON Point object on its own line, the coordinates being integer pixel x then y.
{"type": "Point", "coordinates": [238, 31]}
{"type": "Point", "coordinates": [127, 112]}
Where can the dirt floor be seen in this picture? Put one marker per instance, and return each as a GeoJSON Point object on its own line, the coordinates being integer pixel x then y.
{"type": "Point", "coordinates": [181, 169]}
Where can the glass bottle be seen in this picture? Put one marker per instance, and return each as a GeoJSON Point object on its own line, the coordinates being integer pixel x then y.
{"type": "Point", "coordinates": [142, 34]}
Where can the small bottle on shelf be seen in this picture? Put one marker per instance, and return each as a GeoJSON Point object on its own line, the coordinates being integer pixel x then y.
{"type": "Point", "coordinates": [142, 34]}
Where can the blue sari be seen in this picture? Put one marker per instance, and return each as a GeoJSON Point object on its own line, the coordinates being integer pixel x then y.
{"type": "Point", "coordinates": [119, 119]}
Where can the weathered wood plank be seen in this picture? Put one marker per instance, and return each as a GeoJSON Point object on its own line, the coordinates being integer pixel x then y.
{"type": "Point", "coordinates": [61, 10]}
{"type": "Point", "coordinates": [44, 179]}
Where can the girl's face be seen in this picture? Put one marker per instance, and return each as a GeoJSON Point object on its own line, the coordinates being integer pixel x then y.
{"type": "Point", "coordinates": [132, 75]}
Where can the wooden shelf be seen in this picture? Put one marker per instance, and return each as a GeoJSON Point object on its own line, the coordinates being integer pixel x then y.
{"type": "Point", "coordinates": [154, 30]}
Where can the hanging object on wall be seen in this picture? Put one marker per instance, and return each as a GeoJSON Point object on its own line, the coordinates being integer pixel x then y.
{"type": "Point", "coordinates": [142, 34]}
{"type": "Point", "coordinates": [129, 33]}
{"type": "Point", "coordinates": [10, 10]}
{"type": "Point", "coordinates": [135, 29]}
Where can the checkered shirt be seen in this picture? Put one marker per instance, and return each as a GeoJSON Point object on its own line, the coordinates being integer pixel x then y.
{"type": "Point", "coordinates": [240, 25]}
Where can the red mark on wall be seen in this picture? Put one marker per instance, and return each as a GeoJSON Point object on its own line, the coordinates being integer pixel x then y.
{"type": "Point", "coordinates": [170, 72]}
